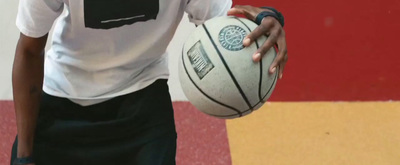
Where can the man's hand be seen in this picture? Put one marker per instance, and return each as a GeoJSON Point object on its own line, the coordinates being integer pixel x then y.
{"type": "Point", "coordinates": [23, 161]}
{"type": "Point", "coordinates": [270, 27]}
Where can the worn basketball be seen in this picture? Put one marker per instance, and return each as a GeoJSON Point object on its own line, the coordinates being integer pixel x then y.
{"type": "Point", "coordinates": [217, 72]}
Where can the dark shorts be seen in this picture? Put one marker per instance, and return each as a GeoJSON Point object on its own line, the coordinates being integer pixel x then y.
{"type": "Point", "coordinates": [134, 129]}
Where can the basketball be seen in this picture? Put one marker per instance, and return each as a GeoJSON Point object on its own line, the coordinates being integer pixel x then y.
{"type": "Point", "coordinates": [217, 73]}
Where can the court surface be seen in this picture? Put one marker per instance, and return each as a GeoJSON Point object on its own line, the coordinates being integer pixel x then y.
{"type": "Point", "coordinates": [280, 133]}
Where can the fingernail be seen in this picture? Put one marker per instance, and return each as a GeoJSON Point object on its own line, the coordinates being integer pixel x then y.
{"type": "Point", "coordinates": [246, 41]}
{"type": "Point", "coordinates": [256, 56]}
{"type": "Point", "coordinates": [273, 69]}
{"type": "Point", "coordinates": [280, 76]}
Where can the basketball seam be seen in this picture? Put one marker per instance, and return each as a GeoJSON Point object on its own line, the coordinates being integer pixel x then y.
{"type": "Point", "coordinates": [227, 68]}
{"type": "Point", "coordinates": [260, 63]}
{"type": "Point", "coordinates": [272, 85]}
{"type": "Point", "coordinates": [201, 91]}
{"type": "Point", "coordinates": [261, 71]}
{"type": "Point", "coordinates": [246, 109]}
{"type": "Point", "coordinates": [261, 101]}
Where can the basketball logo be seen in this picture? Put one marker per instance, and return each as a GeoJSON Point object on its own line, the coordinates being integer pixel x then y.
{"type": "Point", "coordinates": [231, 37]}
{"type": "Point", "coordinates": [199, 60]}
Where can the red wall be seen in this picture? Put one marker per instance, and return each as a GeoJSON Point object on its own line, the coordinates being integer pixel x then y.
{"type": "Point", "coordinates": [339, 50]}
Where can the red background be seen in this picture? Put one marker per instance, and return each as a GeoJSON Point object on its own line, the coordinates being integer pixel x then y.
{"type": "Point", "coordinates": [342, 50]}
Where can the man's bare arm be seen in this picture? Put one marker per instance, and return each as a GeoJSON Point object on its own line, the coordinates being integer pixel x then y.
{"type": "Point", "coordinates": [27, 80]}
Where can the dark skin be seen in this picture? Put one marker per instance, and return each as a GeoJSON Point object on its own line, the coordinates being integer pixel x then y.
{"type": "Point", "coordinates": [28, 68]}
{"type": "Point", "coordinates": [27, 80]}
{"type": "Point", "coordinates": [269, 26]}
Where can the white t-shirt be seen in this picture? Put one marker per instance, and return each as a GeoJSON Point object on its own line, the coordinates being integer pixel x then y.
{"type": "Point", "coordinates": [106, 48]}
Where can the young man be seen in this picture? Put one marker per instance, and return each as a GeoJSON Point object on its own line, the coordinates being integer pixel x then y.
{"type": "Point", "coordinates": [105, 97]}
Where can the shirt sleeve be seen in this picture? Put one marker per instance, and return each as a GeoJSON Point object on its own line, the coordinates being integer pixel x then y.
{"type": "Point", "coordinates": [36, 17]}
{"type": "Point", "coordinates": [202, 10]}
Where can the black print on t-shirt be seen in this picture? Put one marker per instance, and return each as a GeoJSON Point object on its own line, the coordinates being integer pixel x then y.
{"type": "Point", "coordinates": [107, 14]}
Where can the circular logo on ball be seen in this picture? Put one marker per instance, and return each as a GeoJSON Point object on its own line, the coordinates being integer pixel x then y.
{"type": "Point", "coordinates": [231, 37]}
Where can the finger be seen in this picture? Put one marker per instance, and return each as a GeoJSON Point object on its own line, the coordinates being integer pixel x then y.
{"type": "Point", "coordinates": [250, 38]}
{"type": "Point", "coordinates": [256, 33]}
{"type": "Point", "coordinates": [268, 44]}
{"type": "Point", "coordinates": [281, 58]}
{"type": "Point", "coordinates": [249, 11]}
{"type": "Point", "coordinates": [282, 66]}
{"type": "Point", "coordinates": [275, 64]}
{"type": "Point", "coordinates": [234, 11]}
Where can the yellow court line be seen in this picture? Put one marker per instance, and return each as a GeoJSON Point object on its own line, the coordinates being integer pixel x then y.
{"type": "Point", "coordinates": [317, 133]}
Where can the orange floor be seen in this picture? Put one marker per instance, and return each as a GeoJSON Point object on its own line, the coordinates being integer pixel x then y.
{"type": "Point", "coordinates": [317, 133]}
